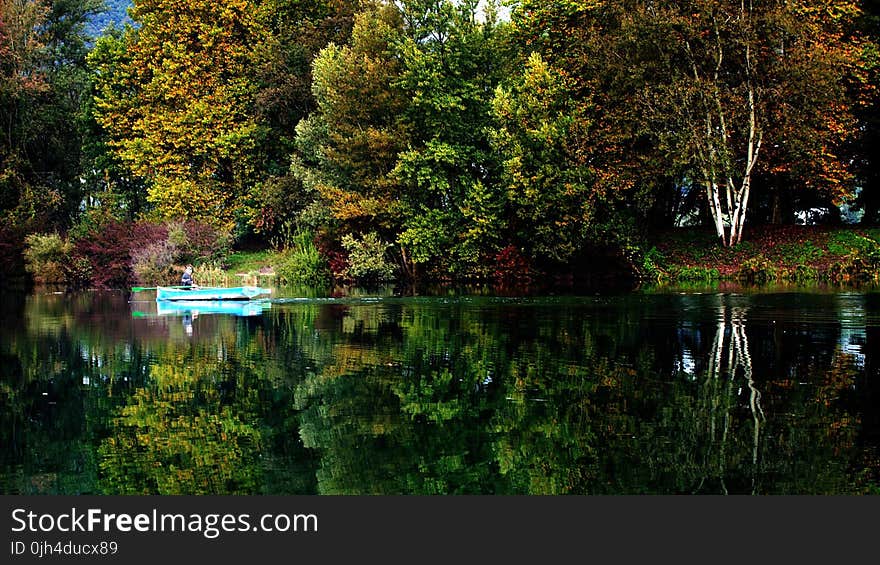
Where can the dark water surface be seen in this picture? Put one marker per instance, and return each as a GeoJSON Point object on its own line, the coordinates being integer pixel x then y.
{"type": "Point", "coordinates": [764, 393]}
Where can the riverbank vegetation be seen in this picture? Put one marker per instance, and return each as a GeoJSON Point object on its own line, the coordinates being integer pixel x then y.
{"type": "Point", "coordinates": [785, 254]}
{"type": "Point", "coordinates": [364, 141]}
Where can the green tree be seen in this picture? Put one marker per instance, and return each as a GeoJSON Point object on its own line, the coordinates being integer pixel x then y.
{"type": "Point", "coordinates": [111, 190]}
{"type": "Point", "coordinates": [399, 142]}
{"type": "Point", "coordinates": [297, 32]}
{"type": "Point", "coordinates": [539, 129]}
{"type": "Point", "coordinates": [43, 80]}
{"type": "Point", "coordinates": [21, 55]}
{"type": "Point", "coordinates": [453, 59]}
{"type": "Point", "coordinates": [349, 145]}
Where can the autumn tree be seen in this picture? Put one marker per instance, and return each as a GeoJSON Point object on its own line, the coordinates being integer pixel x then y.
{"type": "Point", "coordinates": [720, 89]}
{"type": "Point", "coordinates": [43, 80]}
{"type": "Point", "coordinates": [179, 107]}
{"type": "Point", "coordinates": [349, 145]}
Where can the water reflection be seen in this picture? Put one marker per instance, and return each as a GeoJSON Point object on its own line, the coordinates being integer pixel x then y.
{"type": "Point", "coordinates": [712, 393]}
{"type": "Point", "coordinates": [729, 368]}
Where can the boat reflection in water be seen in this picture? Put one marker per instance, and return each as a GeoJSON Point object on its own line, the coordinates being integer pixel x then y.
{"type": "Point", "coordinates": [190, 310]}
{"type": "Point", "coordinates": [199, 307]}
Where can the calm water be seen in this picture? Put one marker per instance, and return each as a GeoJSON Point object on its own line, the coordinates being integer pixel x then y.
{"type": "Point", "coordinates": [640, 393]}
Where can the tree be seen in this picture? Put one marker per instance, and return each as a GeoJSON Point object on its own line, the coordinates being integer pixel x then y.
{"type": "Point", "coordinates": [112, 189]}
{"type": "Point", "coordinates": [42, 83]}
{"type": "Point", "coordinates": [550, 191]}
{"type": "Point", "coordinates": [399, 141]}
{"type": "Point", "coordinates": [710, 86]}
{"type": "Point", "coordinates": [298, 30]}
{"type": "Point", "coordinates": [21, 54]}
{"type": "Point", "coordinates": [452, 64]}
{"type": "Point", "coordinates": [868, 168]}
{"type": "Point", "coordinates": [606, 140]}
{"type": "Point", "coordinates": [180, 106]}
{"type": "Point", "coordinates": [349, 145]}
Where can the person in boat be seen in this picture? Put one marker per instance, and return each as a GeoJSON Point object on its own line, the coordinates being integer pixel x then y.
{"type": "Point", "coordinates": [187, 279]}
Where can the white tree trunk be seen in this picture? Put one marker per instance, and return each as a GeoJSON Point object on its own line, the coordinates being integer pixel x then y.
{"type": "Point", "coordinates": [716, 153]}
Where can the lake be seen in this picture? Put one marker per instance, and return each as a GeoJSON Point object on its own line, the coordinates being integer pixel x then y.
{"type": "Point", "coordinates": [638, 393]}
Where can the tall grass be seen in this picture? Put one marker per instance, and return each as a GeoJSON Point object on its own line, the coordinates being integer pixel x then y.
{"type": "Point", "coordinates": [300, 263]}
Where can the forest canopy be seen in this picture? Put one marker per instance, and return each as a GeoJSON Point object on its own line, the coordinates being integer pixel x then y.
{"type": "Point", "coordinates": [433, 137]}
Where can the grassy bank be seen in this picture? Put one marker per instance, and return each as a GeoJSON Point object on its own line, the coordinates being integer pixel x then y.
{"type": "Point", "coordinates": [767, 254]}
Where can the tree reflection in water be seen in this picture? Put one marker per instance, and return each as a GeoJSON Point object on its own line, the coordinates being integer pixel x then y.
{"type": "Point", "coordinates": [731, 363]}
{"type": "Point", "coordinates": [724, 393]}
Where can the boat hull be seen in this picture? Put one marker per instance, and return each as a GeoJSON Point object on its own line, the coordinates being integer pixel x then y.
{"type": "Point", "coordinates": [210, 293]}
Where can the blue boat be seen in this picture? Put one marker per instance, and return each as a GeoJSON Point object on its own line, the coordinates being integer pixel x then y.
{"type": "Point", "coordinates": [210, 293]}
{"type": "Point", "coordinates": [200, 307]}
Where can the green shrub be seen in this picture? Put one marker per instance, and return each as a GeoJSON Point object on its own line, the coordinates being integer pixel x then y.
{"type": "Point", "coordinates": [46, 256]}
{"type": "Point", "coordinates": [757, 270]}
{"type": "Point", "coordinates": [366, 259]}
{"type": "Point", "coordinates": [800, 254]}
{"type": "Point", "coordinates": [845, 242]}
{"type": "Point", "coordinates": [697, 274]}
{"type": "Point", "coordinates": [802, 273]}
{"type": "Point", "coordinates": [652, 265]}
{"type": "Point", "coordinates": [301, 263]}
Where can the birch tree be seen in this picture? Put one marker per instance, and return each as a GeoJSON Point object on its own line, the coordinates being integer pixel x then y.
{"type": "Point", "coordinates": [720, 97]}
{"type": "Point", "coordinates": [767, 86]}
{"type": "Point", "coordinates": [717, 90]}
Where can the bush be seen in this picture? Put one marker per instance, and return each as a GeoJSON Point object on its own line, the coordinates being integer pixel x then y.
{"type": "Point", "coordinates": [336, 257]}
{"type": "Point", "coordinates": [697, 274]}
{"type": "Point", "coordinates": [511, 267]}
{"type": "Point", "coordinates": [210, 274]}
{"type": "Point", "coordinates": [652, 265]}
{"type": "Point", "coordinates": [301, 263]}
{"type": "Point", "coordinates": [757, 270]}
{"type": "Point", "coordinates": [52, 259]}
{"type": "Point", "coordinates": [858, 266]}
{"type": "Point", "coordinates": [46, 256]}
{"type": "Point", "coordinates": [197, 242]}
{"type": "Point", "coordinates": [800, 253]}
{"type": "Point", "coordinates": [845, 242]}
{"type": "Point", "coordinates": [366, 259]}
{"type": "Point", "coordinates": [78, 272]}
{"type": "Point", "coordinates": [108, 249]}
{"type": "Point", "coordinates": [803, 273]}
{"type": "Point", "coordinates": [154, 264]}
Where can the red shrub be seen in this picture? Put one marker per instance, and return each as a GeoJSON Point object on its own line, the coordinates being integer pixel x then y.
{"type": "Point", "coordinates": [336, 256]}
{"type": "Point", "coordinates": [204, 242]}
{"type": "Point", "coordinates": [108, 249]}
{"type": "Point", "coordinates": [511, 267]}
